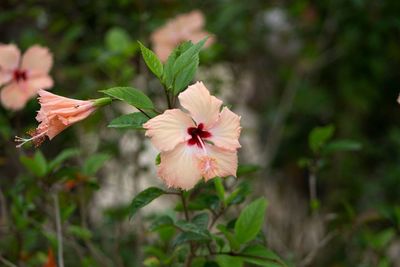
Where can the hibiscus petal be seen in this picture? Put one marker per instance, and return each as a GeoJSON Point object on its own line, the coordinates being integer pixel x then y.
{"type": "Point", "coordinates": [163, 50]}
{"type": "Point", "coordinates": [38, 60]}
{"type": "Point", "coordinates": [218, 162]}
{"type": "Point", "coordinates": [33, 85]}
{"type": "Point", "coordinates": [226, 131]}
{"type": "Point", "coordinates": [5, 77]}
{"type": "Point", "coordinates": [13, 97]}
{"type": "Point", "coordinates": [168, 129]}
{"type": "Point", "coordinates": [55, 126]}
{"type": "Point", "coordinates": [203, 107]}
{"type": "Point", "coordinates": [9, 57]}
{"type": "Point", "coordinates": [179, 168]}
{"type": "Point", "coordinates": [190, 21]}
{"type": "Point", "coordinates": [198, 36]}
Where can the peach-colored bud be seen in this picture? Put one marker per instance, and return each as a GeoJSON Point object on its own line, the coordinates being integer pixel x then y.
{"type": "Point", "coordinates": [58, 113]}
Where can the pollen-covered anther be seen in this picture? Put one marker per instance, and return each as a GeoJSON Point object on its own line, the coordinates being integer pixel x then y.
{"type": "Point", "coordinates": [208, 167]}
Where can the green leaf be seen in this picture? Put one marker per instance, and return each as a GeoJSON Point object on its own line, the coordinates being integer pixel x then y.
{"type": "Point", "coordinates": [151, 262]}
{"type": "Point", "coordinates": [193, 228]}
{"type": "Point", "coordinates": [184, 77]}
{"type": "Point", "coordinates": [129, 121]}
{"type": "Point", "coordinates": [261, 256]}
{"type": "Point", "coordinates": [199, 262]}
{"type": "Point", "coordinates": [118, 40]}
{"type": "Point", "coordinates": [187, 57]}
{"type": "Point", "coordinates": [219, 187]}
{"type": "Point", "coordinates": [342, 145]}
{"type": "Point", "coordinates": [201, 220]}
{"type": "Point", "coordinates": [158, 159]}
{"type": "Point", "coordinates": [239, 194]}
{"type": "Point", "coordinates": [94, 163]}
{"type": "Point", "coordinates": [168, 75]}
{"type": "Point", "coordinates": [131, 96]}
{"type": "Point", "coordinates": [80, 232]}
{"type": "Point", "coordinates": [304, 162]}
{"type": "Point", "coordinates": [229, 261]}
{"type": "Point", "coordinates": [151, 60]}
{"type": "Point", "coordinates": [319, 136]}
{"type": "Point", "coordinates": [161, 222]}
{"type": "Point", "coordinates": [36, 164]}
{"type": "Point", "coordinates": [67, 212]}
{"type": "Point", "coordinates": [233, 243]}
{"type": "Point", "coordinates": [247, 169]}
{"type": "Point", "coordinates": [380, 240]}
{"type": "Point", "coordinates": [144, 198]}
{"type": "Point", "coordinates": [185, 237]}
{"type": "Point", "coordinates": [63, 156]}
{"type": "Point", "coordinates": [210, 264]}
{"type": "Point", "coordinates": [250, 221]}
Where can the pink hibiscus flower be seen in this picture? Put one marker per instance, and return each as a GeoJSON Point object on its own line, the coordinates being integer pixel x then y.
{"type": "Point", "coordinates": [23, 77]}
{"type": "Point", "coordinates": [58, 113]}
{"type": "Point", "coordinates": [200, 143]}
{"type": "Point", "coordinates": [184, 27]}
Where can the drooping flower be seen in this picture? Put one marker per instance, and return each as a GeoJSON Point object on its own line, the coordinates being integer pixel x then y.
{"type": "Point", "coordinates": [201, 142]}
{"type": "Point", "coordinates": [185, 27]}
{"type": "Point", "coordinates": [23, 78]}
{"type": "Point", "coordinates": [58, 113]}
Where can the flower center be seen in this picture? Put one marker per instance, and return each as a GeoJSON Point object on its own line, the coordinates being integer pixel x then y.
{"type": "Point", "coordinates": [19, 75]}
{"type": "Point", "coordinates": [198, 134]}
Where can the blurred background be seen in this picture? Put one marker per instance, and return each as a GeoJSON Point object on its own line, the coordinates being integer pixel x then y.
{"type": "Point", "coordinates": [315, 82]}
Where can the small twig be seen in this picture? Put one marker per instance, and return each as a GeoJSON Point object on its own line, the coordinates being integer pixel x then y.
{"type": "Point", "coordinates": [59, 230]}
{"type": "Point", "coordinates": [276, 129]}
{"type": "Point", "coordinates": [216, 217]}
{"type": "Point", "coordinates": [311, 256]}
{"type": "Point", "coordinates": [184, 205]}
{"type": "Point", "coordinates": [192, 254]}
{"type": "Point", "coordinates": [7, 262]}
{"type": "Point", "coordinates": [3, 209]}
{"type": "Point", "coordinates": [312, 184]}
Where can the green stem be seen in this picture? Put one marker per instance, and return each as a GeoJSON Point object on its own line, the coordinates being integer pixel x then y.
{"type": "Point", "coordinates": [168, 99]}
{"type": "Point", "coordinates": [184, 205]}
{"type": "Point", "coordinates": [192, 254]}
{"type": "Point", "coordinates": [100, 102]}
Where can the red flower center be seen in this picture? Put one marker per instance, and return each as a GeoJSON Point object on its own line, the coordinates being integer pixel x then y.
{"type": "Point", "coordinates": [19, 75]}
{"type": "Point", "coordinates": [198, 134]}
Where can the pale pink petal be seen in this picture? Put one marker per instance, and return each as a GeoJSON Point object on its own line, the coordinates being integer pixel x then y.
{"type": "Point", "coordinates": [9, 57]}
{"type": "Point", "coordinates": [55, 126]}
{"type": "Point", "coordinates": [218, 162]}
{"type": "Point", "coordinates": [179, 168]}
{"type": "Point", "coordinates": [196, 37]}
{"type": "Point", "coordinates": [203, 107]}
{"type": "Point", "coordinates": [190, 22]}
{"type": "Point", "coordinates": [226, 131]}
{"type": "Point", "coordinates": [13, 96]}
{"type": "Point", "coordinates": [37, 60]}
{"type": "Point", "coordinates": [168, 129]}
{"type": "Point", "coordinates": [38, 83]}
{"type": "Point", "coordinates": [163, 51]}
{"type": "Point", "coordinates": [5, 76]}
